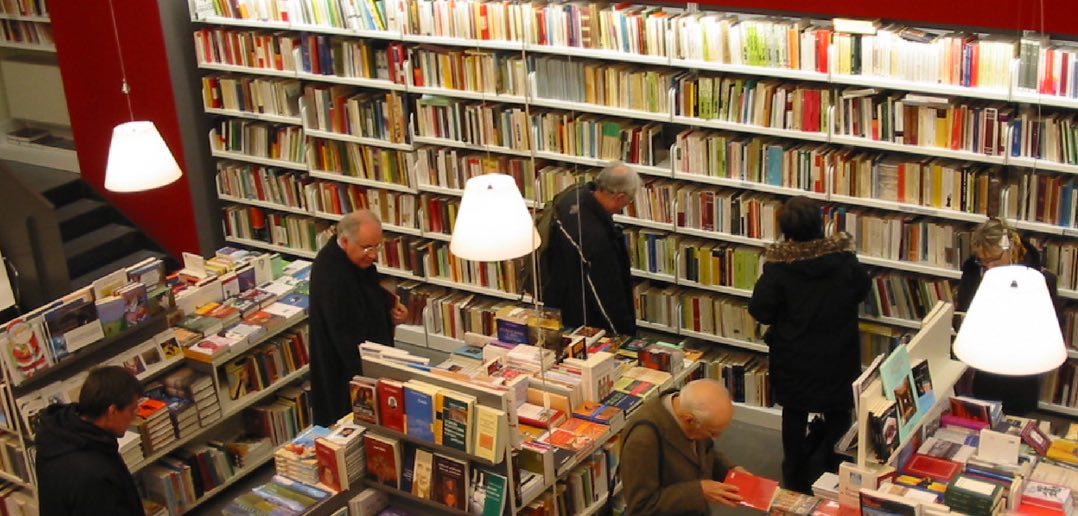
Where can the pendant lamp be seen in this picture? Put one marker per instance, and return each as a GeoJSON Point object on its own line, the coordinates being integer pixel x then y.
{"type": "Point", "coordinates": [139, 159]}
{"type": "Point", "coordinates": [493, 223]}
{"type": "Point", "coordinates": [1011, 326]}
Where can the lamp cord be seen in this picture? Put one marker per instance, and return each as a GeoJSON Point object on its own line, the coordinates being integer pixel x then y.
{"type": "Point", "coordinates": [125, 88]}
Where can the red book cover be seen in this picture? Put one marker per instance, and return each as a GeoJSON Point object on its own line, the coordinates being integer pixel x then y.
{"type": "Point", "coordinates": [935, 468]}
{"type": "Point", "coordinates": [383, 459]}
{"type": "Point", "coordinates": [328, 469]}
{"type": "Point", "coordinates": [391, 404]}
{"type": "Point", "coordinates": [756, 492]}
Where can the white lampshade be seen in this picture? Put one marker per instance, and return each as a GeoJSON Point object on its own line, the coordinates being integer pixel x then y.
{"type": "Point", "coordinates": [493, 223]}
{"type": "Point", "coordinates": [139, 159]}
{"type": "Point", "coordinates": [1011, 326]}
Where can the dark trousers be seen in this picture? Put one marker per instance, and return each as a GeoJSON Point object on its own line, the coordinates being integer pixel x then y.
{"type": "Point", "coordinates": [806, 457]}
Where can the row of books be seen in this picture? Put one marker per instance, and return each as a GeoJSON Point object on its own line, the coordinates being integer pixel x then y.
{"type": "Point", "coordinates": [905, 297]}
{"type": "Point", "coordinates": [26, 32]}
{"type": "Point", "coordinates": [745, 375]}
{"type": "Point", "coordinates": [345, 110]}
{"type": "Point", "coordinates": [24, 7]}
{"type": "Point", "coordinates": [266, 96]}
{"type": "Point", "coordinates": [180, 480]}
{"type": "Point", "coordinates": [120, 301]}
{"type": "Point", "coordinates": [281, 142]}
{"type": "Point", "coordinates": [283, 417]}
{"type": "Point", "coordinates": [451, 168]}
{"type": "Point", "coordinates": [712, 314]}
{"type": "Point", "coordinates": [846, 47]}
{"type": "Point", "coordinates": [264, 366]}
{"type": "Point", "coordinates": [469, 70]}
{"type": "Point", "coordinates": [360, 161]}
{"type": "Point", "coordinates": [292, 231]}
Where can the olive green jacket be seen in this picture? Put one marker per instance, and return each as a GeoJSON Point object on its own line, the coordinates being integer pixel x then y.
{"type": "Point", "coordinates": [672, 487]}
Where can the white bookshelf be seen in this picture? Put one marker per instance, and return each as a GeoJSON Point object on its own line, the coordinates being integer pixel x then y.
{"type": "Point", "coordinates": [258, 160]}
{"type": "Point", "coordinates": [263, 117]}
{"type": "Point", "coordinates": [263, 204]}
{"type": "Point", "coordinates": [341, 178]}
{"type": "Point", "coordinates": [373, 142]}
{"type": "Point", "coordinates": [303, 253]}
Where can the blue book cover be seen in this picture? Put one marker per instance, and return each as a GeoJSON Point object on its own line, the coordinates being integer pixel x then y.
{"type": "Point", "coordinates": [899, 386]}
{"type": "Point", "coordinates": [407, 468]}
{"type": "Point", "coordinates": [298, 300]}
{"type": "Point", "coordinates": [419, 412]}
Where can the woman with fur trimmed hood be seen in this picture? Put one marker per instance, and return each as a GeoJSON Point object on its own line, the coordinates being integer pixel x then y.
{"type": "Point", "coordinates": [809, 294]}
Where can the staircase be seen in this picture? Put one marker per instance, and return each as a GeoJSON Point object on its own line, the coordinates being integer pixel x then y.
{"type": "Point", "coordinates": [94, 237]}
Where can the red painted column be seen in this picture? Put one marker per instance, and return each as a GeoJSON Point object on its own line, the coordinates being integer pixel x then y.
{"type": "Point", "coordinates": [90, 66]}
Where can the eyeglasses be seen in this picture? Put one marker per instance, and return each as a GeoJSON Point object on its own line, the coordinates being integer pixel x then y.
{"type": "Point", "coordinates": [372, 248]}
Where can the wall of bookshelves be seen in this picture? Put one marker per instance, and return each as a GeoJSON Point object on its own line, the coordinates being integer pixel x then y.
{"type": "Point", "coordinates": [909, 136]}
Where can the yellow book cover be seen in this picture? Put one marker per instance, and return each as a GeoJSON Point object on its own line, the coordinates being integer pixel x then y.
{"type": "Point", "coordinates": [489, 440]}
{"type": "Point", "coordinates": [1064, 450]}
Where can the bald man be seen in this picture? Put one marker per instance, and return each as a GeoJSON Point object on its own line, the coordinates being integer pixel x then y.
{"type": "Point", "coordinates": [348, 307]}
{"type": "Point", "coordinates": [669, 464]}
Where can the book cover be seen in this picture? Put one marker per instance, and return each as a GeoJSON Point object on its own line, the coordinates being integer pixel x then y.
{"type": "Point", "coordinates": [364, 394]}
{"type": "Point", "coordinates": [942, 470]}
{"type": "Point", "coordinates": [110, 310]}
{"type": "Point", "coordinates": [875, 503]}
{"type": "Point", "coordinates": [331, 465]}
{"type": "Point", "coordinates": [756, 492]}
{"type": "Point", "coordinates": [72, 325]}
{"type": "Point", "coordinates": [486, 495]}
{"type": "Point", "coordinates": [136, 305]}
{"type": "Point", "coordinates": [450, 482]}
{"type": "Point", "coordinates": [407, 466]}
{"type": "Point", "coordinates": [419, 409]}
{"type": "Point", "coordinates": [391, 404]}
{"type": "Point", "coordinates": [898, 386]}
{"type": "Point", "coordinates": [922, 384]}
{"type": "Point", "coordinates": [489, 440]}
{"type": "Point", "coordinates": [457, 420]}
{"type": "Point", "coordinates": [423, 474]}
{"type": "Point", "coordinates": [24, 349]}
{"type": "Point", "coordinates": [383, 455]}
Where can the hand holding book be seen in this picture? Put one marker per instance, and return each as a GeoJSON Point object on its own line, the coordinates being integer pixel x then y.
{"type": "Point", "coordinates": [721, 493]}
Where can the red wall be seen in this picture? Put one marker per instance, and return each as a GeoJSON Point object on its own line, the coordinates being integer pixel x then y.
{"type": "Point", "coordinates": [91, 75]}
{"type": "Point", "coordinates": [90, 66]}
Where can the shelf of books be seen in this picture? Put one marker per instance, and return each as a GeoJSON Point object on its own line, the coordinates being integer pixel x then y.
{"type": "Point", "coordinates": [907, 159]}
{"type": "Point", "coordinates": [238, 347]}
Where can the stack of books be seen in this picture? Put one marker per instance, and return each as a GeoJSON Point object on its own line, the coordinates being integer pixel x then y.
{"type": "Point", "coordinates": [205, 396]}
{"type": "Point", "coordinates": [341, 460]}
{"type": "Point", "coordinates": [153, 422]}
{"type": "Point", "coordinates": [131, 448]}
{"type": "Point", "coordinates": [298, 459]}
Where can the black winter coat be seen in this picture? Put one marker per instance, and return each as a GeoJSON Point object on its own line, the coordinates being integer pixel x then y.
{"type": "Point", "coordinates": [603, 245]}
{"type": "Point", "coordinates": [79, 468]}
{"type": "Point", "coordinates": [809, 294]}
{"type": "Point", "coordinates": [348, 307]}
{"type": "Point", "coordinates": [1019, 394]}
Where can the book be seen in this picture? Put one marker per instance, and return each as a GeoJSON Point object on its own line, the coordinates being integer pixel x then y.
{"type": "Point", "coordinates": [450, 482]}
{"type": "Point", "coordinates": [876, 503]}
{"type": "Point", "coordinates": [423, 474]}
{"type": "Point", "coordinates": [898, 386]}
{"type": "Point", "coordinates": [419, 400]}
{"type": "Point", "coordinates": [486, 494]}
{"type": "Point", "coordinates": [922, 384]}
{"type": "Point", "coordinates": [935, 468]}
{"type": "Point", "coordinates": [998, 447]}
{"type": "Point", "coordinates": [756, 492]}
{"type": "Point", "coordinates": [489, 433]}
{"type": "Point", "coordinates": [332, 472]}
{"type": "Point", "coordinates": [364, 394]}
{"type": "Point", "coordinates": [383, 456]}
{"type": "Point", "coordinates": [456, 414]}
{"type": "Point", "coordinates": [391, 404]}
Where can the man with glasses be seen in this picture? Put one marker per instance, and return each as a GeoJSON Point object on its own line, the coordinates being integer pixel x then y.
{"type": "Point", "coordinates": [348, 307]}
{"type": "Point", "coordinates": [669, 464]}
{"type": "Point", "coordinates": [592, 284]}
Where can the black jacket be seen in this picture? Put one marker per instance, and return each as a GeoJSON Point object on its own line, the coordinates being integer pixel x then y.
{"type": "Point", "coordinates": [809, 294]}
{"type": "Point", "coordinates": [79, 468]}
{"type": "Point", "coordinates": [602, 243]}
{"type": "Point", "coordinates": [348, 307]}
{"type": "Point", "coordinates": [1019, 394]}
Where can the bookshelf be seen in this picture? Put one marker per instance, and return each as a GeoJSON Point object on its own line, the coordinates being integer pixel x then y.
{"type": "Point", "coordinates": [670, 52]}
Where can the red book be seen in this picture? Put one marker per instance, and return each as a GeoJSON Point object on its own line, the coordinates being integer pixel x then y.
{"type": "Point", "coordinates": [935, 468]}
{"type": "Point", "coordinates": [756, 492]}
{"type": "Point", "coordinates": [383, 456]}
{"type": "Point", "coordinates": [330, 471]}
{"type": "Point", "coordinates": [391, 404]}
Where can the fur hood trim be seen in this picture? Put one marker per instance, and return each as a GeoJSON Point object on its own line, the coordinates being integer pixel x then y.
{"type": "Point", "coordinates": [791, 251]}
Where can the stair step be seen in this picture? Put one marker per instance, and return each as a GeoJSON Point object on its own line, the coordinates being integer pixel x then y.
{"type": "Point", "coordinates": [66, 192]}
{"type": "Point", "coordinates": [81, 217]}
{"type": "Point", "coordinates": [126, 261]}
{"type": "Point", "coordinates": [98, 247]}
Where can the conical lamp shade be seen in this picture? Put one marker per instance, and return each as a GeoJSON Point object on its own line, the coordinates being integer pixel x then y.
{"type": "Point", "coordinates": [1011, 326]}
{"type": "Point", "coordinates": [139, 159]}
{"type": "Point", "coordinates": [493, 223]}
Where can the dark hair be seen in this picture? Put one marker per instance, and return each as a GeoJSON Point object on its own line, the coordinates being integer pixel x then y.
{"type": "Point", "coordinates": [800, 219]}
{"type": "Point", "coordinates": [106, 386]}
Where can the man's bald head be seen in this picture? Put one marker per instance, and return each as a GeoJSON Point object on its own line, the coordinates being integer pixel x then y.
{"type": "Point", "coordinates": [705, 408]}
